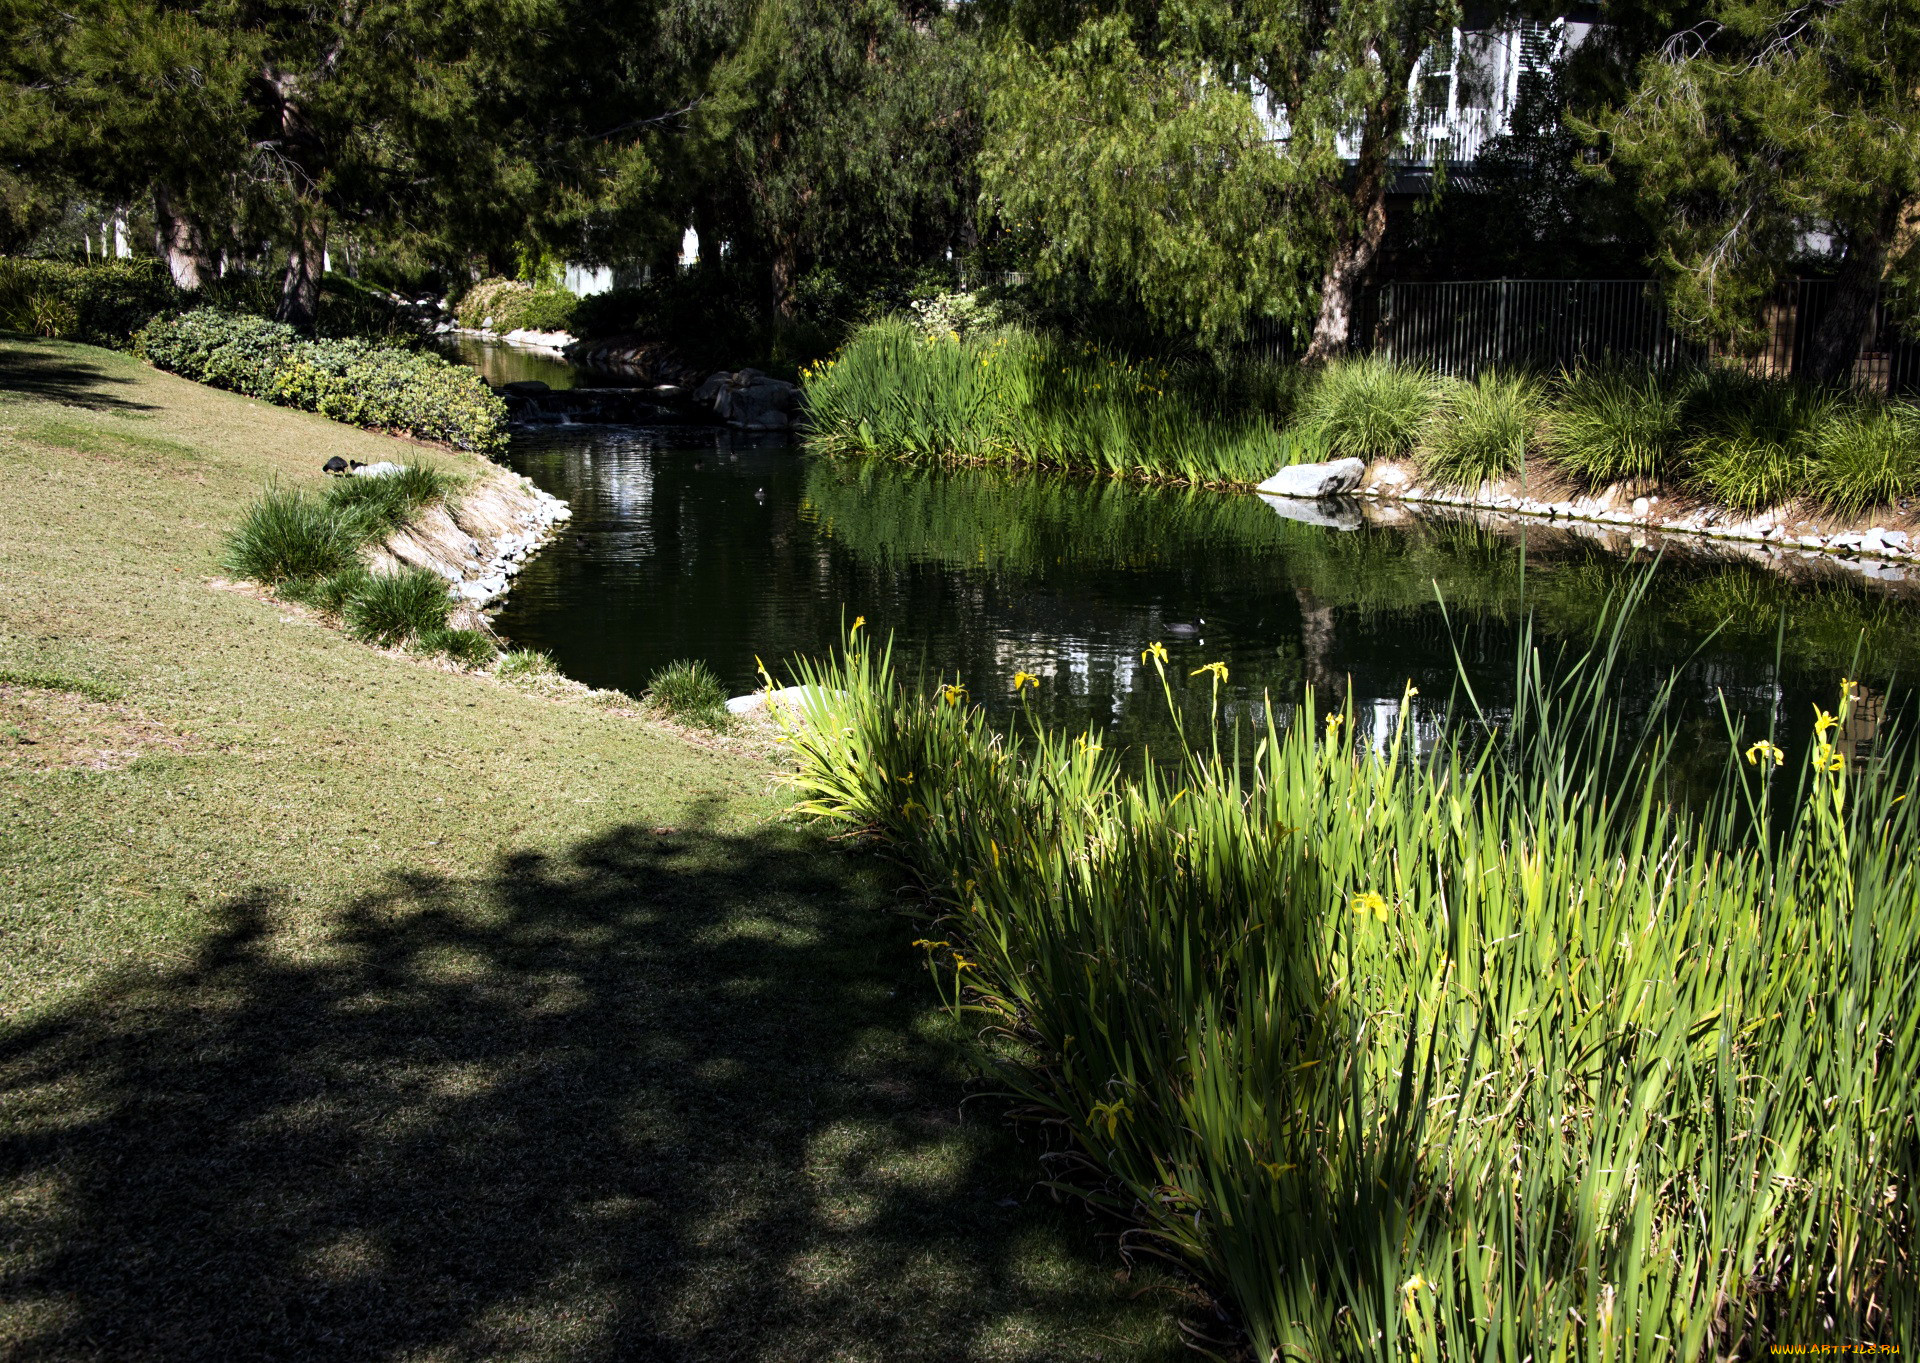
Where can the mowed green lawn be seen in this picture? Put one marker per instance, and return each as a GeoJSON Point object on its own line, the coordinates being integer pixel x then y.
{"type": "Point", "coordinates": [353, 1008]}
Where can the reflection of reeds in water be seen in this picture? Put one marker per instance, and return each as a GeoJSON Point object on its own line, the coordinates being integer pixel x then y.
{"type": "Point", "coordinates": [1038, 525]}
{"type": "Point", "coordinates": [1486, 1051]}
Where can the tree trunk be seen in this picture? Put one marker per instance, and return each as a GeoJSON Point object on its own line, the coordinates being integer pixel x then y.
{"type": "Point", "coordinates": [181, 243]}
{"type": "Point", "coordinates": [1835, 347]}
{"type": "Point", "coordinates": [1354, 254]}
{"type": "Point", "coordinates": [780, 272]}
{"type": "Point", "coordinates": [306, 257]}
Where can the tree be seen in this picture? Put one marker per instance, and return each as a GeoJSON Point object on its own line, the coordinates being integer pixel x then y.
{"type": "Point", "coordinates": [468, 123]}
{"type": "Point", "coordinates": [1758, 133]}
{"type": "Point", "coordinates": [836, 128]}
{"type": "Point", "coordinates": [1150, 112]}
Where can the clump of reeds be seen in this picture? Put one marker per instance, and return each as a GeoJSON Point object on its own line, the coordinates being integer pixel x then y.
{"type": "Point", "coordinates": [1866, 455]}
{"type": "Point", "coordinates": [1015, 398]}
{"type": "Point", "coordinates": [526, 664]}
{"type": "Point", "coordinates": [1609, 424]}
{"type": "Point", "coordinates": [289, 535]}
{"type": "Point", "coordinates": [378, 506]}
{"type": "Point", "coordinates": [467, 647]}
{"type": "Point", "coordinates": [1754, 439]}
{"type": "Point", "coordinates": [689, 690]}
{"type": "Point", "coordinates": [1481, 430]}
{"type": "Point", "coordinates": [1486, 1050]}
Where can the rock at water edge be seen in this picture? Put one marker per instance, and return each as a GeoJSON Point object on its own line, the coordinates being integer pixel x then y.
{"type": "Point", "coordinates": [1315, 480]}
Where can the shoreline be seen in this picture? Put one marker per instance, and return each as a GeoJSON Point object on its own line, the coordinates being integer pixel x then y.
{"type": "Point", "coordinates": [479, 540]}
{"type": "Point", "coordinates": [1875, 547]}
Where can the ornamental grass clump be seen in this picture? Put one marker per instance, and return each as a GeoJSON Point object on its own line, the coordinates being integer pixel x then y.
{"type": "Point", "coordinates": [1481, 430]}
{"type": "Point", "coordinates": [1370, 407]}
{"type": "Point", "coordinates": [467, 647]}
{"type": "Point", "coordinates": [1476, 1048]}
{"type": "Point", "coordinates": [399, 607]}
{"type": "Point", "coordinates": [1610, 424]}
{"type": "Point", "coordinates": [380, 505]}
{"type": "Point", "coordinates": [689, 690]}
{"type": "Point", "coordinates": [287, 535]}
{"type": "Point", "coordinates": [1866, 455]}
{"type": "Point", "coordinates": [1754, 442]}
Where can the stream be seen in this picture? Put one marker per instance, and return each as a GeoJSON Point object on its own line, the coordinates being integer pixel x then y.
{"type": "Point", "coordinates": [697, 542]}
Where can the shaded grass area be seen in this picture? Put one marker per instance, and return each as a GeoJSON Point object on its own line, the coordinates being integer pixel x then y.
{"type": "Point", "coordinates": [657, 1097]}
{"type": "Point", "coordinates": [361, 1010]}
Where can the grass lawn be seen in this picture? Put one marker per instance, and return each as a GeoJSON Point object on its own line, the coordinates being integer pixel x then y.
{"type": "Point", "coordinates": [354, 1008]}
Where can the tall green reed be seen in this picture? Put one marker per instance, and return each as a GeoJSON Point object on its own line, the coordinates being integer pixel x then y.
{"type": "Point", "coordinates": [1014, 398]}
{"type": "Point", "coordinates": [1482, 1049]}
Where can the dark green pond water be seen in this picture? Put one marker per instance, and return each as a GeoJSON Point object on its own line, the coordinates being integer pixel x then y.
{"type": "Point", "coordinates": [725, 552]}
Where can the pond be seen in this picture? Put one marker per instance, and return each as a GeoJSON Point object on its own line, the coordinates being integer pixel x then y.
{"type": "Point", "coordinates": [691, 543]}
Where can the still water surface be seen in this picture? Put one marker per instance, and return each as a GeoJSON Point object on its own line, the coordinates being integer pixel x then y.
{"type": "Point", "coordinates": [727, 552]}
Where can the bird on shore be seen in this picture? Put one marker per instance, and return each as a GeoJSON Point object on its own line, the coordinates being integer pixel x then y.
{"type": "Point", "coordinates": [1180, 629]}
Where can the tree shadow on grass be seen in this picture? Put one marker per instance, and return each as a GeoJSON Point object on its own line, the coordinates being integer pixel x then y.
{"type": "Point", "coordinates": [676, 1096]}
{"type": "Point", "coordinates": [62, 378]}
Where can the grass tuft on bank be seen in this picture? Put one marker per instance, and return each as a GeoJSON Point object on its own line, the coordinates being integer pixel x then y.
{"type": "Point", "coordinates": [1488, 1048]}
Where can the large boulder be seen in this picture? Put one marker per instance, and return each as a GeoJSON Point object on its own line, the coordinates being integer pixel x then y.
{"type": "Point", "coordinates": [1330, 479]}
{"type": "Point", "coordinates": [748, 398]}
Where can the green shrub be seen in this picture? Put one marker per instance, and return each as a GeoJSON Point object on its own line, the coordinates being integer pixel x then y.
{"type": "Point", "coordinates": [609, 313]}
{"type": "Point", "coordinates": [690, 691]}
{"type": "Point", "coordinates": [1468, 1046]}
{"type": "Point", "coordinates": [383, 387]}
{"type": "Point", "coordinates": [382, 505]}
{"type": "Point", "coordinates": [104, 304]}
{"type": "Point", "coordinates": [1016, 398]}
{"type": "Point", "coordinates": [1866, 456]}
{"type": "Point", "coordinates": [394, 608]}
{"type": "Point", "coordinates": [1611, 424]}
{"type": "Point", "coordinates": [230, 350]}
{"type": "Point", "coordinates": [504, 305]}
{"type": "Point", "coordinates": [290, 535]}
{"type": "Point", "coordinates": [1370, 407]}
{"type": "Point", "coordinates": [467, 647]}
{"type": "Point", "coordinates": [1481, 430]}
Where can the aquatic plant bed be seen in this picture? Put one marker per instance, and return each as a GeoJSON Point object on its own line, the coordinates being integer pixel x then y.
{"type": "Point", "coordinates": [1477, 1047]}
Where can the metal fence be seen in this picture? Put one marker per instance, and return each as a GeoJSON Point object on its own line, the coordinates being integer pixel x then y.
{"type": "Point", "coordinates": [1462, 328]}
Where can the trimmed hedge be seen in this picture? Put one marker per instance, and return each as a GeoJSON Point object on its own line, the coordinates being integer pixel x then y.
{"type": "Point", "coordinates": [358, 382]}
{"type": "Point", "coordinates": [101, 304]}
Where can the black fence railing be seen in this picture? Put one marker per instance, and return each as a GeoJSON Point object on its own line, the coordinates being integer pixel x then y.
{"type": "Point", "coordinates": [1461, 328]}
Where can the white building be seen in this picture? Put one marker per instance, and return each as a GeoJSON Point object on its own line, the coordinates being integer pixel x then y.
{"type": "Point", "coordinates": [1463, 91]}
